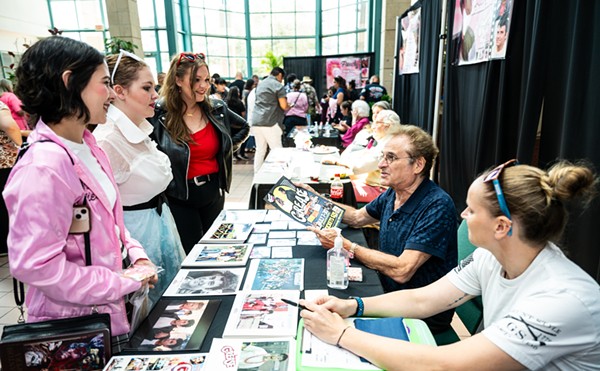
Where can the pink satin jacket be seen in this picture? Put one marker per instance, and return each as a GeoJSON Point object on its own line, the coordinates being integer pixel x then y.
{"type": "Point", "coordinates": [40, 194]}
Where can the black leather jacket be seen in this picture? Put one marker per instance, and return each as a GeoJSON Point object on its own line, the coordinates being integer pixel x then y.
{"type": "Point", "coordinates": [179, 154]}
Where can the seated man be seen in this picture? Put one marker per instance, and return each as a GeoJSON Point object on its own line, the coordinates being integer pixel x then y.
{"type": "Point", "coordinates": [418, 220]}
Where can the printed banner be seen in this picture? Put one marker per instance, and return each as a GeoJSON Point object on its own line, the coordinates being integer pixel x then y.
{"type": "Point", "coordinates": [408, 56]}
{"type": "Point", "coordinates": [350, 68]}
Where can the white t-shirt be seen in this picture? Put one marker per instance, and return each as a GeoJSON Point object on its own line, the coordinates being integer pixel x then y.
{"type": "Point", "coordinates": [250, 101]}
{"type": "Point", "coordinates": [140, 169]}
{"type": "Point", "coordinates": [547, 318]}
{"type": "Point", "coordinates": [84, 153]}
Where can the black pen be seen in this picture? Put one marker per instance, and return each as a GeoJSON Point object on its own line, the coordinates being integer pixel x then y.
{"type": "Point", "coordinates": [290, 302]}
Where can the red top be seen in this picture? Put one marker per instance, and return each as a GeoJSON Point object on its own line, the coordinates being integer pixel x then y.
{"type": "Point", "coordinates": [203, 152]}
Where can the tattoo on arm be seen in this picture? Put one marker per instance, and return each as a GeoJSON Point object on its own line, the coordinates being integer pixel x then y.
{"type": "Point", "coordinates": [457, 300]}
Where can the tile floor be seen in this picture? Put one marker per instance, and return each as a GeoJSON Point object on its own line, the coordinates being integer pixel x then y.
{"type": "Point", "coordinates": [236, 199]}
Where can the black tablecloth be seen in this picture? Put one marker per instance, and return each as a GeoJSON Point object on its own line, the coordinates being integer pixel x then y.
{"type": "Point", "coordinates": [333, 140]}
{"type": "Point", "coordinates": [315, 274]}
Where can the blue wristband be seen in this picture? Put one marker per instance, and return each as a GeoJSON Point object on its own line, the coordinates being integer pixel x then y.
{"type": "Point", "coordinates": [360, 306]}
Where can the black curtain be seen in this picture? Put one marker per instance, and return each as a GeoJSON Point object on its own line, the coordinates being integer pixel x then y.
{"type": "Point", "coordinates": [414, 94]}
{"type": "Point", "coordinates": [550, 77]}
{"type": "Point", "coordinates": [315, 68]}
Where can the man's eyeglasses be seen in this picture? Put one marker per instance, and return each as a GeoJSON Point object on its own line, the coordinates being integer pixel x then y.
{"type": "Point", "coordinates": [493, 177]}
{"type": "Point", "coordinates": [123, 53]}
{"type": "Point", "coordinates": [191, 57]}
{"type": "Point", "coordinates": [389, 158]}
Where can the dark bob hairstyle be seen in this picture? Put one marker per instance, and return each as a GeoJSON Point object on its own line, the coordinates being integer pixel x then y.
{"type": "Point", "coordinates": [39, 78]}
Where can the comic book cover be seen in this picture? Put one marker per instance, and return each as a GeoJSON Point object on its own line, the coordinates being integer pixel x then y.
{"type": "Point", "coordinates": [304, 206]}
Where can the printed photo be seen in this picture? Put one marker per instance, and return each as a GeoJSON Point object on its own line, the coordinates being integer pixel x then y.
{"type": "Point", "coordinates": [206, 282]}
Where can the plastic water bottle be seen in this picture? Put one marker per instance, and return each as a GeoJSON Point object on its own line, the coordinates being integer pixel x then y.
{"type": "Point", "coordinates": [336, 189]}
{"type": "Point", "coordinates": [337, 268]}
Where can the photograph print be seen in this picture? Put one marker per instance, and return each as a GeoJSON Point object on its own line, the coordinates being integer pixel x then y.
{"type": "Point", "coordinates": [215, 255]}
{"type": "Point", "coordinates": [204, 282]}
{"type": "Point", "coordinates": [175, 324]}
{"type": "Point", "coordinates": [161, 362]}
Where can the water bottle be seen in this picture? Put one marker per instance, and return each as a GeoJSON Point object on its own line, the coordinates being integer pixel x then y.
{"type": "Point", "coordinates": [336, 189]}
{"type": "Point", "coordinates": [337, 268]}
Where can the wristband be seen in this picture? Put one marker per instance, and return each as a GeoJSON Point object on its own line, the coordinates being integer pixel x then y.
{"type": "Point", "coordinates": [360, 306]}
{"type": "Point", "coordinates": [337, 344]}
{"type": "Point", "coordinates": [352, 250]}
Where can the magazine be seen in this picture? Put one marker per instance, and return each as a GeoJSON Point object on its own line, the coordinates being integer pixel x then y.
{"type": "Point", "coordinates": [263, 313]}
{"type": "Point", "coordinates": [213, 255]}
{"type": "Point", "coordinates": [275, 274]}
{"type": "Point", "coordinates": [158, 362]}
{"type": "Point", "coordinates": [175, 325]}
{"type": "Point", "coordinates": [227, 232]}
{"type": "Point", "coordinates": [198, 282]}
{"type": "Point", "coordinates": [304, 206]}
{"type": "Point", "coordinates": [254, 354]}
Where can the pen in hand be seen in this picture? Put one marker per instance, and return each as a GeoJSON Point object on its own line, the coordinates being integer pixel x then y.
{"type": "Point", "coordinates": [293, 303]}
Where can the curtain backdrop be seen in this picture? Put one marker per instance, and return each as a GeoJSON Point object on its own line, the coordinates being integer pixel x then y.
{"type": "Point", "coordinates": [492, 110]}
{"type": "Point", "coordinates": [414, 94]}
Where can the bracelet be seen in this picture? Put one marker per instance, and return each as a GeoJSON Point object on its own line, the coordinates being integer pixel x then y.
{"type": "Point", "coordinates": [360, 306]}
{"type": "Point", "coordinates": [337, 344]}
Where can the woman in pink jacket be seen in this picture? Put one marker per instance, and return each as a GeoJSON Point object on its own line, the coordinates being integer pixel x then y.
{"type": "Point", "coordinates": [65, 84]}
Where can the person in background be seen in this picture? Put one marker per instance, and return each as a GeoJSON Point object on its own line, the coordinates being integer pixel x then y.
{"type": "Point", "coordinates": [141, 171]}
{"type": "Point", "coordinates": [340, 94]}
{"type": "Point", "coordinates": [221, 89]}
{"type": "Point", "coordinates": [346, 121]}
{"type": "Point", "coordinates": [8, 97]}
{"type": "Point", "coordinates": [360, 118]}
{"type": "Point", "coordinates": [268, 115]}
{"type": "Point", "coordinates": [417, 237]}
{"type": "Point", "coordinates": [541, 311]}
{"type": "Point", "coordinates": [353, 94]}
{"type": "Point", "coordinates": [249, 102]}
{"type": "Point", "coordinates": [10, 141]}
{"type": "Point", "coordinates": [373, 91]}
{"type": "Point", "coordinates": [65, 84]}
{"type": "Point", "coordinates": [236, 105]}
{"type": "Point", "coordinates": [378, 107]}
{"type": "Point", "coordinates": [314, 108]}
{"type": "Point", "coordinates": [238, 82]}
{"type": "Point", "coordinates": [160, 78]}
{"type": "Point", "coordinates": [290, 82]}
{"type": "Point", "coordinates": [298, 103]}
{"type": "Point", "coordinates": [195, 132]}
{"type": "Point", "coordinates": [213, 81]}
{"type": "Point", "coordinates": [248, 86]}
{"type": "Point", "coordinates": [256, 80]}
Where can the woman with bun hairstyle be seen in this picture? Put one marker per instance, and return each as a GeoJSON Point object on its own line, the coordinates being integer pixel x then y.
{"type": "Point", "coordinates": [65, 84]}
{"type": "Point", "coordinates": [541, 311]}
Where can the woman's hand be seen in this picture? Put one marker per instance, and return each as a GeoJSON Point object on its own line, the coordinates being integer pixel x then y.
{"type": "Point", "coordinates": [150, 280]}
{"type": "Point", "coordinates": [321, 322]}
{"type": "Point", "coordinates": [345, 308]}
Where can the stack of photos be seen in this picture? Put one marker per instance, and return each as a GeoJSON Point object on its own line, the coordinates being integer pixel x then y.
{"type": "Point", "coordinates": [214, 255]}
{"type": "Point", "coordinates": [175, 325]}
{"type": "Point", "coordinates": [263, 313]}
{"type": "Point", "coordinates": [227, 232]}
{"type": "Point", "coordinates": [203, 282]}
{"type": "Point", "coordinates": [252, 354]}
{"type": "Point", "coordinates": [275, 274]}
{"type": "Point", "coordinates": [242, 216]}
{"type": "Point", "coordinates": [161, 362]}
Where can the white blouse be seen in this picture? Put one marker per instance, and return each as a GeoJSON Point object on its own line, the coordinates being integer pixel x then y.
{"type": "Point", "coordinates": [140, 169]}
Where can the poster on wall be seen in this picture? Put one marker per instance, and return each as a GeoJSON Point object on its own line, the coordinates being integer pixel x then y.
{"type": "Point", "coordinates": [481, 29]}
{"type": "Point", "coordinates": [350, 68]}
{"type": "Point", "coordinates": [408, 60]}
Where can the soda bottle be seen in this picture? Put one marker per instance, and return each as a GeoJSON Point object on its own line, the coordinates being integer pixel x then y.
{"type": "Point", "coordinates": [336, 189]}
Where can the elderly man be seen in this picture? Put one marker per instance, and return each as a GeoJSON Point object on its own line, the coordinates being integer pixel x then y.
{"type": "Point", "coordinates": [418, 220]}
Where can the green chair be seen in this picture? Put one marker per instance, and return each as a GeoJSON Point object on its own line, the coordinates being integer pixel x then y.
{"type": "Point", "coordinates": [471, 312]}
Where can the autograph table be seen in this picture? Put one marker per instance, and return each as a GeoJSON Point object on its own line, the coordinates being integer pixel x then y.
{"type": "Point", "coordinates": [314, 278]}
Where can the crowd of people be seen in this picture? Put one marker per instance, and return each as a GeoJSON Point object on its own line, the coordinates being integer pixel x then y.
{"type": "Point", "coordinates": [153, 176]}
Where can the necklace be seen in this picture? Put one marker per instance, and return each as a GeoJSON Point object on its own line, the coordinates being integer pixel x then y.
{"type": "Point", "coordinates": [190, 114]}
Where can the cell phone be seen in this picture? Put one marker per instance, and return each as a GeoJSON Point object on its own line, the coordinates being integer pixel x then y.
{"type": "Point", "coordinates": [81, 220]}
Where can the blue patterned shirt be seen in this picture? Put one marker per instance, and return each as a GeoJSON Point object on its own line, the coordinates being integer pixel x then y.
{"type": "Point", "coordinates": [426, 222]}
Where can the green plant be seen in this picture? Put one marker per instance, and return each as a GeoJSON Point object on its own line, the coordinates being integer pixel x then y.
{"type": "Point", "coordinates": [386, 98]}
{"type": "Point", "coordinates": [271, 61]}
{"type": "Point", "coordinates": [114, 46]}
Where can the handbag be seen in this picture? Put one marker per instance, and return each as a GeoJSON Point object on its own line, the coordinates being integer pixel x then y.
{"type": "Point", "coordinates": [79, 343]}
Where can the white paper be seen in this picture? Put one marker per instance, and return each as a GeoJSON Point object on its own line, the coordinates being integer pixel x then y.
{"type": "Point", "coordinates": [282, 234]}
{"type": "Point", "coordinates": [279, 224]}
{"type": "Point", "coordinates": [281, 252]}
{"type": "Point", "coordinates": [259, 252]}
{"type": "Point", "coordinates": [281, 242]}
{"type": "Point", "coordinates": [273, 215]}
{"type": "Point", "coordinates": [258, 238]}
{"type": "Point", "coordinates": [262, 228]}
{"type": "Point", "coordinates": [312, 295]}
{"type": "Point", "coordinates": [307, 238]}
